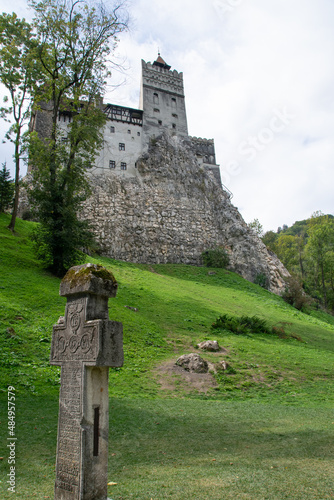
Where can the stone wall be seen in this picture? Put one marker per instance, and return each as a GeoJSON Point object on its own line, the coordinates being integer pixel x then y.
{"type": "Point", "coordinates": [171, 212]}
{"type": "Point", "coordinates": [204, 148]}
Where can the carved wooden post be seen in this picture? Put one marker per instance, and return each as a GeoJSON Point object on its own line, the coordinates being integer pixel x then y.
{"type": "Point", "coordinates": [85, 344]}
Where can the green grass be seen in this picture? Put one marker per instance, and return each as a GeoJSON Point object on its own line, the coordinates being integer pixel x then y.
{"type": "Point", "coordinates": [264, 432]}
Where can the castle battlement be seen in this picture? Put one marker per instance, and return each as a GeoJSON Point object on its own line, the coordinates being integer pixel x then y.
{"type": "Point", "coordinates": [150, 66]}
{"type": "Point", "coordinates": [128, 131]}
{"type": "Point", "coordinates": [159, 201]}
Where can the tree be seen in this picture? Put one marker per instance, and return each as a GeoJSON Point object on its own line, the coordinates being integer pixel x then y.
{"type": "Point", "coordinates": [6, 188]}
{"type": "Point", "coordinates": [17, 73]}
{"type": "Point", "coordinates": [256, 227]}
{"type": "Point", "coordinates": [270, 239]}
{"type": "Point", "coordinates": [320, 250]}
{"type": "Point", "coordinates": [287, 250]}
{"type": "Point", "coordinates": [75, 41]}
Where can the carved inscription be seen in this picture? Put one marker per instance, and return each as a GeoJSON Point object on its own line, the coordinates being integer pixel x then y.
{"type": "Point", "coordinates": [79, 345]}
{"type": "Point", "coordinates": [73, 339]}
{"type": "Point", "coordinates": [69, 429]}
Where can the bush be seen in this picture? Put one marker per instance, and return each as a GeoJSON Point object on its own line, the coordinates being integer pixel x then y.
{"type": "Point", "coordinates": [215, 257]}
{"type": "Point", "coordinates": [246, 325]}
{"type": "Point", "coordinates": [242, 325]}
{"type": "Point", "coordinates": [295, 295]}
{"type": "Point", "coordinates": [262, 280]}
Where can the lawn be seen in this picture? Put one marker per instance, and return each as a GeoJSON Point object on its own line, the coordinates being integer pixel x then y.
{"type": "Point", "coordinates": [262, 430]}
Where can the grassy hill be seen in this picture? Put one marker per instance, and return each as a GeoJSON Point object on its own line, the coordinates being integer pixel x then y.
{"type": "Point", "coordinates": [259, 430]}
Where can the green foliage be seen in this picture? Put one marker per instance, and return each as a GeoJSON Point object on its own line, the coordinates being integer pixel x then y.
{"type": "Point", "coordinates": [307, 251]}
{"type": "Point", "coordinates": [56, 196]}
{"type": "Point", "coordinates": [18, 73]}
{"type": "Point", "coordinates": [74, 40]}
{"type": "Point", "coordinates": [261, 279]}
{"type": "Point", "coordinates": [269, 239]}
{"type": "Point", "coordinates": [267, 426]}
{"type": "Point", "coordinates": [6, 189]}
{"type": "Point", "coordinates": [250, 449]}
{"type": "Point", "coordinates": [215, 257]}
{"type": "Point", "coordinates": [243, 325]}
{"type": "Point", "coordinates": [256, 227]}
{"type": "Point", "coordinates": [248, 325]}
{"type": "Point", "coordinates": [299, 228]}
{"type": "Point", "coordinates": [295, 295]}
{"type": "Point", "coordinates": [320, 256]}
{"type": "Point", "coordinates": [175, 306]}
{"type": "Point", "coordinates": [56, 246]}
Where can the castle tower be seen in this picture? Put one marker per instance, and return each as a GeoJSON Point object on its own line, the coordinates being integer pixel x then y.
{"type": "Point", "coordinates": [162, 99]}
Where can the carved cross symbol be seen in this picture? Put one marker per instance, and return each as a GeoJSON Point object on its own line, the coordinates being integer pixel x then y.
{"type": "Point", "coordinates": [85, 343]}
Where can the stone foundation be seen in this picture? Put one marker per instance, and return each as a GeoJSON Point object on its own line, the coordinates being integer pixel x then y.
{"type": "Point", "coordinates": [171, 212]}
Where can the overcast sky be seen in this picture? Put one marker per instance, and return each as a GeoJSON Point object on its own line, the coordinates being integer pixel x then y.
{"type": "Point", "coordinates": [259, 79]}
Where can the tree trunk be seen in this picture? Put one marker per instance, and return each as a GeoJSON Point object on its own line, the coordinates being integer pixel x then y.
{"type": "Point", "coordinates": [323, 285]}
{"type": "Point", "coordinates": [11, 225]}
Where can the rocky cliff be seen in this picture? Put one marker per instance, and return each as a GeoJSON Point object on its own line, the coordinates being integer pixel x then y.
{"type": "Point", "coordinates": [172, 211]}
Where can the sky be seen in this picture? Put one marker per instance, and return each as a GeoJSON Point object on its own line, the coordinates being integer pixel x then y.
{"type": "Point", "coordinates": [258, 78]}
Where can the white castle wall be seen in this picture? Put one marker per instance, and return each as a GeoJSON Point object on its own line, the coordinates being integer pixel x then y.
{"type": "Point", "coordinates": [128, 132]}
{"type": "Point", "coordinates": [162, 99]}
{"type": "Point", "coordinates": [122, 145]}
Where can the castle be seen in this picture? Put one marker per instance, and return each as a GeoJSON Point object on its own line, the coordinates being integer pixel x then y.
{"type": "Point", "coordinates": [157, 195]}
{"type": "Point", "coordinates": [128, 131]}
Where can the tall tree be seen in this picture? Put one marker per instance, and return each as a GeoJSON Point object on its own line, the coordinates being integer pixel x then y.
{"type": "Point", "coordinates": [18, 72]}
{"type": "Point", "coordinates": [320, 249]}
{"type": "Point", "coordinates": [75, 42]}
{"type": "Point", "coordinates": [6, 189]}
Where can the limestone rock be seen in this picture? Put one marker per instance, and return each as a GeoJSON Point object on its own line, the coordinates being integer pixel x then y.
{"type": "Point", "coordinates": [193, 363]}
{"type": "Point", "coordinates": [171, 211]}
{"type": "Point", "coordinates": [223, 365]}
{"type": "Point", "coordinates": [209, 345]}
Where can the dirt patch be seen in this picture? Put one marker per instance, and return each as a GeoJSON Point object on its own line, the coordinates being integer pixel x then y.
{"type": "Point", "coordinates": [174, 378]}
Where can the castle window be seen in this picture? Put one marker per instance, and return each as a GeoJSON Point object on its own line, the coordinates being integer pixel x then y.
{"type": "Point", "coordinates": [129, 131]}
{"type": "Point", "coordinates": [160, 122]}
{"type": "Point", "coordinates": [112, 164]}
{"type": "Point", "coordinates": [174, 125]}
{"type": "Point", "coordinates": [121, 146]}
{"type": "Point", "coordinates": [138, 133]}
{"type": "Point", "coordinates": [174, 115]}
{"type": "Point", "coordinates": [123, 166]}
{"type": "Point", "coordinates": [173, 102]}
{"type": "Point", "coordinates": [155, 98]}
{"type": "Point", "coordinates": [156, 110]}
{"type": "Point", "coordinates": [112, 129]}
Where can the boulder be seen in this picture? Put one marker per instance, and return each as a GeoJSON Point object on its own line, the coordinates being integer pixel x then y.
{"type": "Point", "coordinates": [193, 363]}
{"type": "Point", "coordinates": [223, 365]}
{"type": "Point", "coordinates": [209, 345]}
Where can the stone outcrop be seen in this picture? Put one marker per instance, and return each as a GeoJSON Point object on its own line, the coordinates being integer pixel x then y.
{"type": "Point", "coordinates": [209, 345]}
{"type": "Point", "coordinates": [171, 212]}
{"type": "Point", "coordinates": [192, 363]}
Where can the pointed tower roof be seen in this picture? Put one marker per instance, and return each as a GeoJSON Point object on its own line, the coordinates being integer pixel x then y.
{"type": "Point", "coordinates": [161, 63]}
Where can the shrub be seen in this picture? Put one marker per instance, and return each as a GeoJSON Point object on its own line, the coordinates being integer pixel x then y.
{"type": "Point", "coordinates": [262, 280]}
{"type": "Point", "coordinates": [242, 325]}
{"type": "Point", "coordinates": [215, 257]}
{"type": "Point", "coordinates": [295, 295]}
{"type": "Point", "coordinates": [246, 325]}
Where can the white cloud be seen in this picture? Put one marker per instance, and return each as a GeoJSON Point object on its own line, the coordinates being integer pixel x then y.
{"type": "Point", "coordinates": [242, 60]}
